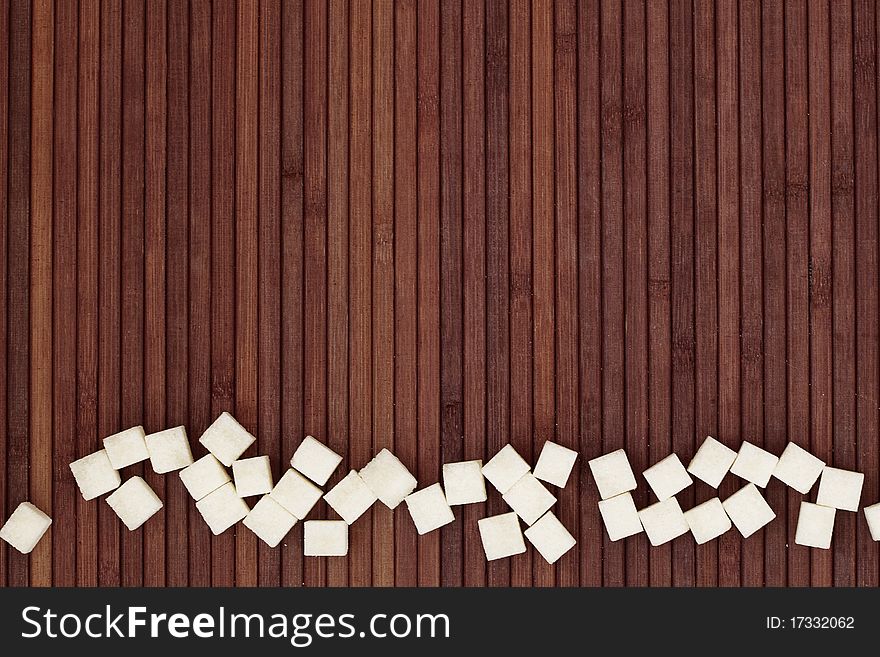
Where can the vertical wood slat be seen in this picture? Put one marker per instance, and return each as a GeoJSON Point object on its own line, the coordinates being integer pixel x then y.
{"type": "Point", "coordinates": [64, 285]}
{"type": "Point", "coordinates": [715, 266]}
{"type": "Point", "coordinates": [843, 266]}
{"type": "Point", "coordinates": [635, 267]}
{"type": "Point", "coordinates": [522, 394]}
{"type": "Point", "coordinates": [132, 322]}
{"type": "Point", "coordinates": [4, 234]}
{"type": "Point", "coordinates": [40, 436]}
{"type": "Point", "coordinates": [360, 277]}
{"type": "Point", "coordinates": [659, 235]}
{"type": "Point", "coordinates": [821, 351]}
{"type": "Point", "coordinates": [269, 191]}
{"type": "Point", "coordinates": [198, 277]}
{"type": "Point", "coordinates": [474, 254]}
{"type": "Point", "coordinates": [497, 247]}
{"type": "Point", "coordinates": [406, 440]}
{"type": "Point", "coordinates": [222, 286]}
{"type": "Point", "coordinates": [178, 508]}
{"type": "Point", "coordinates": [428, 123]}
{"type": "Point", "coordinates": [589, 286]}
{"type": "Point", "coordinates": [338, 321]}
{"type": "Point", "coordinates": [314, 238]}
{"type": "Point", "coordinates": [246, 253]}
{"type": "Point", "coordinates": [109, 278]}
{"type": "Point", "coordinates": [382, 301]}
{"type": "Point", "coordinates": [543, 247]}
{"type": "Point", "coordinates": [155, 263]}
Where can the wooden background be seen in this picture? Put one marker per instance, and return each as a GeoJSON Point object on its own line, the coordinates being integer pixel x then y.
{"type": "Point", "coordinates": [436, 227]}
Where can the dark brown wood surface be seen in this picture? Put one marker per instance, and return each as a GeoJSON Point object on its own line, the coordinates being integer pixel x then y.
{"type": "Point", "coordinates": [437, 226]}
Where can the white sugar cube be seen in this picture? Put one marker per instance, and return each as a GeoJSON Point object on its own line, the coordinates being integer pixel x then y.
{"type": "Point", "coordinates": [464, 482]}
{"type": "Point", "coordinates": [872, 515]}
{"type": "Point", "coordinates": [711, 462]}
{"type": "Point", "coordinates": [126, 448]}
{"type": "Point", "coordinates": [840, 489]}
{"type": "Point", "coordinates": [501, 536]}
{"type": "Point", "coordinates": [748, 510]}
{"type": "Point", "coordinates": [555, 464]}
{"type": "Point", "coordinates": [529, 498]}
{"type": "Point", "coordinates": [252, 476]}
{"type": "Point", "coordinates": [668, 477]}
{"type": "Point", "coordinates": [269, 521]}
{"type": "Point", "coordinates": [550, 537]}
{"type": "Point", "coordinates": [296, 494]}
{"type": "Point", "coordinates": [226, 439]}
{"type": "Point", "coordinates": [429, 509]}
{"type": "Point", "coordinates": [351, 497]}
{"type": "Point", "coordinates": [134, 502]}
{"type": "Point", "coordinates": [620, 516]}
{"type": "Point", "coordinates": [505, 468]}
{"type": "Point", "coordinates": [613, 474]}
{"type": "Point", "coordinates": [25, 527]}
{"type": "Point", "coordinates": [169, 450]}
{"type": "Point", "coordinates": [815, 525]}
{"type": "Point", "coordinates": [798, 468]}
{"type": "Point", "coordinates": [754, 464]}
{"type": "Point", "coordinates": [325, 538]}
{"type": "Point", "coordinates": [388, 478]}
{"type": "Point", "coordinates": [204, 476]}
{"type": "Point", "coordinates": [707, 520]}
{"type": "Point", "coordinates": [222, 508]}
{"type": "Point", "coordinates": [95, 475]}
{"type": "Point", "coordinates": [663, 521]}
{"type": "Point", "coordinates": [315, 460]}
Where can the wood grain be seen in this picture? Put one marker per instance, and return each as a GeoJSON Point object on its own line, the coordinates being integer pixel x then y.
{"type": "Point", "coordinates": [437, 226]}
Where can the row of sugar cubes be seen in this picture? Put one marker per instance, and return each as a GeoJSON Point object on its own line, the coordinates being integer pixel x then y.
{"type": "Point", "coordinates": [746, 509]}
{"type": "Point", "coordinates": [219, 497]}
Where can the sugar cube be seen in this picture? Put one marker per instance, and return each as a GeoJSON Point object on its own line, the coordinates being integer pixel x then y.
{"type": "Point", "coordinates": [707, 520]}
{"type": "Point", "coordinates": [296, 494]}
{"type": "Point", "coordinates": [252, 476]}
{"type": "Point", "coordinates": [388, 478]}
{"type": "Point", "coordinates": [872, 515]}
{"type": "Point", "coordinates": [668, 477]}
{"type": "Point", "coordinates": [325, 538]}
{"type": "Point", "coordinates": [711, 462]}
{"type": "Point", "coordinates": [748, 510]}
{"type": "Point", "coordinates": [529, 498]}
{"type": "Point", "coordinates": [169, 450]}
{"type": "Point", "coordinates": [25, 527]}
{"type": "Point", "coordinates": [550, 537]}
{"type": "Point", "coordinates": [222, 508]}
{"type": "Point", "coordinates": [315, 460]}
{"type": "Point", "coordinates": [663, 521]}
{"type": "Point", "coordinates": [226, 439]}
{"type": "Point", "coordinates": [269, 521]}
{"type": "Point", "coordinates": [351, 497]}
{"type": "Point", "coordinates": [464, 482]}
{"type": "Point", "coordinates": [814, 526]}
{"type": "Point", "coordinates": [613, 474]}
{"type": "Point", "coordinates": [754, 464]}
{"type": "Point", "coordinates": [501, 536]}
{"type": "Point", "coordinates": [204, 476]}
{"type": "Point", "coordinates": [840, 489]}
{"type": "Point", "coordinates": [95, 475]}
{"type": "Point", "coordinates": [134, 502]}
{"type": "Point", "coordinates": [555, 464]}
{"type": "Point", "coordinates": [620, 516]}
{"type": "Point", "coordinates": [505, 468]}
{"type": "Point", "coordinates": [126, 447]}
{"type": "Point", "coordinates": [429, 509]}
{"type": "Point", "coordinates": [798, 468]}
